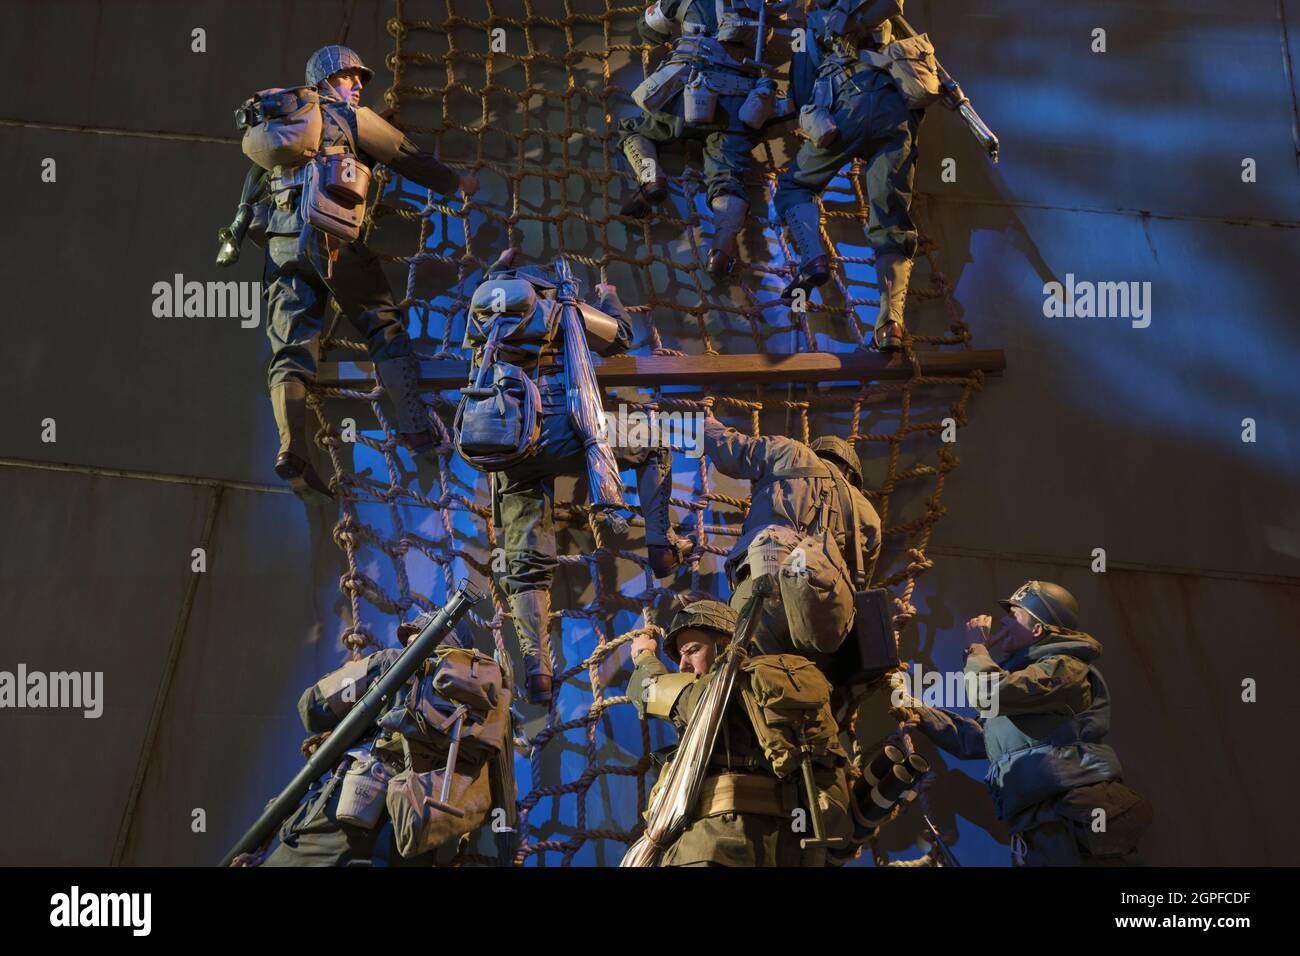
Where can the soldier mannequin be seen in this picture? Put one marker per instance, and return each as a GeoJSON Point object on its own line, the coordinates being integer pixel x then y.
{"type": "Point", "coordinates": [313, 835]}
{"type": "Point", "coordinates": [790, 482]}
{"type": "Point", "coordinates": [300, 276]}
{"type": "Point", "coordinates": [525, 492]}
{"type": "Point", "coordinates": [1049, 772]}
{"type": "Point", "coordinates": [874, 125]}
{"type": "Point", "coordinates": [715, 40]}
{"type": "Point", "coordinates": [744, 814]}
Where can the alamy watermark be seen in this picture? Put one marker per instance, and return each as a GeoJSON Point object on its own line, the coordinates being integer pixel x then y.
{"type": "Point", "coordinates": [75, 908]}
{"type": "Point", "coordinates": [635, 428]}
{"type": "Point", "coordinates": [946, 689]}
{"type": "Point", "coordinates": [179, 299]}
{"type": "Point", "coordinates": [78, 690]}
{"type": "Point", "coordinates": [1101, 300]}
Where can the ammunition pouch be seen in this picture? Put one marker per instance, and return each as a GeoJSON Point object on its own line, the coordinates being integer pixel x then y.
{"type": "Point", "coordinates": [911, 64]}
{"type": "Point", "coordinates": [656, 90]}
{"type": "Point", "coordinates": [815, 118]}
{"type": "Point", "coordinates": [281, 126]}
{"type": "Point", "coordinates": [345, 179]}
{"type": "Point", "coordinates": [787, 700]}
{"type": "Point", "coordinates": [335, 173]}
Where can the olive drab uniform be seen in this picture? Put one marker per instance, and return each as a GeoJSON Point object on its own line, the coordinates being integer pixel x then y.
{"type": "Point", "coordinates": [379, 807]}
{"type": "Point", "coordinates": [836, 72]}
{"type": "Point", "coordinates": [705, 90]}
{"type": "Point", "coordinates": [306, 266]}
{"type": "Point", "coordinates": [524, 492]}
{"type": "Point", "coordinates": [1049, 771]}
{"type": "Point", "coordinates": [795, 503]}
{"type": "Point", "coordinates": [751, 810]}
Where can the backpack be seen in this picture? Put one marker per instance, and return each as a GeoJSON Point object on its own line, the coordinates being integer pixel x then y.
{"type": "Point", "coordinates": [913, 67]}
{"type": "Point", "coordinates": [282, 126]}
{"type": "Point", "coordinates": [812, 578]}
{"type": "Point", "coordinates": [787, 700]}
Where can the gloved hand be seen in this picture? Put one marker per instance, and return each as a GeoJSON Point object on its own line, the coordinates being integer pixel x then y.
{"type": "Point", "coordinates": [228, 254]}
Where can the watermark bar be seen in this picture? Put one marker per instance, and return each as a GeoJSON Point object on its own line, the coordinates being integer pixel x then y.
{"type": "Point", "coordinates": [713, 369]}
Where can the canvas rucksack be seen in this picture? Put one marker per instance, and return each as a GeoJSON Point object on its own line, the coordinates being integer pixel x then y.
{"type": "Point", "coordinates": [282, 126]}
{"type": "Point", "coordinates": [787, 699]}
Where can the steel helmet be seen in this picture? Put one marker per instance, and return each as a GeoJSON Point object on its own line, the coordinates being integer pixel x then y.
{"type": "Point", "coordinates": [836, 448]}
{"type": "Point", "coordinates": [329, 60]}
{"type": "Point", "coordinates": [708, 615]}
{"type": "Point", "coordinates": [1046, 603]}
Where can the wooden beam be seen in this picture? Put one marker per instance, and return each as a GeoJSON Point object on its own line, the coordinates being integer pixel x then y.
{"type": "Point", "coordinates": [651, 370]}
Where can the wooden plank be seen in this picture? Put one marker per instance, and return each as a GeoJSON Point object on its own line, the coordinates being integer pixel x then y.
{"type": "Point", "coordinates": [711, 369]}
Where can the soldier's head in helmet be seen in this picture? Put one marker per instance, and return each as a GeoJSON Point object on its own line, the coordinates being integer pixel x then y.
{"type": "Point", "coordinates": [1036, 610]}
{"type": "Point", "coordinates": [340, 71]}
{"type": "Point", "coordinates": [347, 85]}
{"type": "Point", "coordinates": [838, 452]}
{"type": "Point", "coordinates": [697, 635]}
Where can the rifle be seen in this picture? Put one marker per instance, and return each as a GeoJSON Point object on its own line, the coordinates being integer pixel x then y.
{"type": "Point", "coordinates": [944, 852]}
{"type": "Point", "coordinates": [957, 101]}
{"type": "Point", "coordinates": [586, 408]}
{"type": "Point", "coordinates": [358, 722]}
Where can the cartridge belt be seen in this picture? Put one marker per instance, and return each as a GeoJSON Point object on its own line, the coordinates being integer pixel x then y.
{"type": "Point", "coordinates": [282, 178]}
{"type": "Point", "coordinates": [760, 793]}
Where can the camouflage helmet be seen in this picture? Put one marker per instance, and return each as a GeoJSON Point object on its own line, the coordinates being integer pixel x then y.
{"type": "Point", "coordinates": [332, 59]}
{"type": "Point", "coordinates": [708, 615]}
{"type": "Point", "coordinates": [832, 446]}
{"type": "Point", "coordinates": [1046, 603]}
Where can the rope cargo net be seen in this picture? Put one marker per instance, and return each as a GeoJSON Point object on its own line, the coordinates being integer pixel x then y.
{"type": "Point", "coordinates": [533, 114]}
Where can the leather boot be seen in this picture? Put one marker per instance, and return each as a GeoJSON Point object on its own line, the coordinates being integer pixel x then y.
{"type": "Point", "coordinates": [643, 158]}
{"type": "Point", "coordinates": [667, 550]}
{"type": "Point", "coordinates": [893, 272]}
{"type": "Point", "coordinates": [401, 380]}
{"type": "Point", "coordinates": [531, 611]}
{"type": "Point", "coordinates": [728, 219]}
{"type": "Point", "coordinates": [293, 462]}
{"type": "Point", "coordinates": [804, 225]}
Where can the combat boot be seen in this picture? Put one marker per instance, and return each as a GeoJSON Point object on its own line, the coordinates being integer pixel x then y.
{"type": "Point", "coordinates": [293, 462]}
{"type": "Point", "coordinates": [667, 550]}
{"type": "Point", "coordinates": [401, 380]}
{"type": "Point", "coordinates": [893, 272]}
{"type": "Point", "coordinates": [531, 611]}
{"type": "Point", "coordinates": [728, 219]}
{"type": "Point", "coordinates": [642, 156]}
{"type": "Point", "coordinates": [804, 224]}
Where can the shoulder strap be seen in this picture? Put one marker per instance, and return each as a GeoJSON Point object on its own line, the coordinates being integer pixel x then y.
{"type": "Point", "coordinates": [852, 530]}
{"type": "Point", "coordinates": [341, 118]}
